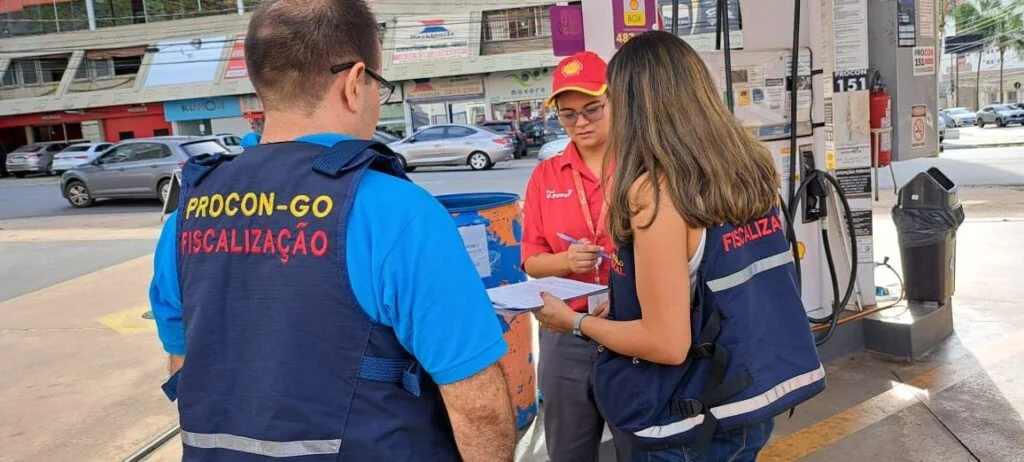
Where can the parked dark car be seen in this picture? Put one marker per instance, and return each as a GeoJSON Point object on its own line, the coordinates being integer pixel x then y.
{"type": "Point", "coordinates": [133, 169]}
{"type": "Point", "coordinates": [510, 129]}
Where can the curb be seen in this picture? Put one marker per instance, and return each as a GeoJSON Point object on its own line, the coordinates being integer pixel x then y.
{"type": "Point", "coordinates": [985, 145]}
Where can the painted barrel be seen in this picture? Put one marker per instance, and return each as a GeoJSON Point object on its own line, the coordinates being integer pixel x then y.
{"type": "Point", "coordinates": [491, 225]}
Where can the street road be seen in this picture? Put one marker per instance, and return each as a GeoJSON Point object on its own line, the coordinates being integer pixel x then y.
{"type": "Point", "coordinates": [966, 167]}
{"type": "Point", "coordinates": [40, 196]}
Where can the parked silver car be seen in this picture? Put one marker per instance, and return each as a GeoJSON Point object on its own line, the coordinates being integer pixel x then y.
{"type": "Point", "coordinates": [135, 169]}
{"type": "Point", "coordinates": [438, 145]}
{"type": "Point", "coordinates": [961, 116]}
{"type": "Point", "coordinates": [553, 148]}
{"type": "Point", "coordinates": [75, 155]}
{"type": "Point", "coordinates": [35, 157]}
{"type": "Point", "coordinates": [1000, 114]}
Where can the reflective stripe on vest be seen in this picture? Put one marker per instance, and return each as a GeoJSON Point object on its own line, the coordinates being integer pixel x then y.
{"type": "Point", "coordinates": [745, 274]}
{"type": "Point", "coordinates": [740, 407]}
{"type": "Point", "coordinates": [260, 447]}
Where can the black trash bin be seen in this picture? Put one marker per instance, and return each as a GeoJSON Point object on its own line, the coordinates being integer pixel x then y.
{"type": "Point", "coordinates": [927, 215]}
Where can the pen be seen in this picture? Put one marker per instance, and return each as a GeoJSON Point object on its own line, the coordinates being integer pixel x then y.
{"type": "Point", "coordinates": [574, 241]}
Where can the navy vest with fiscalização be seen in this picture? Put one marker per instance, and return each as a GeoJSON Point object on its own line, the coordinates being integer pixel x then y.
{"type": "Point", "coordinates": [752, 357]}
{"type": "Point", "coordinates": [282, 363]}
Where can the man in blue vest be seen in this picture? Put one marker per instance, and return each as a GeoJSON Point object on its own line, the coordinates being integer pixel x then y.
{"type": "Point", "coordinates": [317, 305]}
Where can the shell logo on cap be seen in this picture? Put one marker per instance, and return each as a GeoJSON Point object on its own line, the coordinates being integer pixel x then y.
{"type": "Point", "coordinates": [572, 69]}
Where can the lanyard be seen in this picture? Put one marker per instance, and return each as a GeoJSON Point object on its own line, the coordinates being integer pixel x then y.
{"type": "Point", "coordinates": [595, 231]}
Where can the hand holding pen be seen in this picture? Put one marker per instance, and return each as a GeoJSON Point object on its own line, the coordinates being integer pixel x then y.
{"type": "Point", "coordinates": [583, 255]}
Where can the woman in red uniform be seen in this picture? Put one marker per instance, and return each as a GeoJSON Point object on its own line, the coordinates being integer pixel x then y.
{"type": "Point", "coordinates": [564, 200]}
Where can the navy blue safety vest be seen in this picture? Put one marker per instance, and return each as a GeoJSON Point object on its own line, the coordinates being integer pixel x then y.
{"type": "Point", "coordinates": [752, 357]}
{"type": "Point", "coordinates": [282, 363]}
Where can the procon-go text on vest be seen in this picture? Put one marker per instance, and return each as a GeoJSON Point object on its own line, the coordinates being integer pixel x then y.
{"type": "Point", "coordinates": [257, 204]}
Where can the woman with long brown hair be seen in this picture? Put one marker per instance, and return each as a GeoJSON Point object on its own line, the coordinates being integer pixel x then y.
{"type": "Point", "coordinates": [707, 339]}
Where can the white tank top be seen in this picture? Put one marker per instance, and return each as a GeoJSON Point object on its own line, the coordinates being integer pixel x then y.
{"type": "Point", "coordinates": [694, 263]}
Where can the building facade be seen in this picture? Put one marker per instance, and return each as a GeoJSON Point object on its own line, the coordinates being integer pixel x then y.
{"type": "Point", "coordinates": [114, 69]}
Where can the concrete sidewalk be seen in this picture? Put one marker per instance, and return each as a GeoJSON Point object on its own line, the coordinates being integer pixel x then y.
{"type": "Point", "coordinates": [988, 137]}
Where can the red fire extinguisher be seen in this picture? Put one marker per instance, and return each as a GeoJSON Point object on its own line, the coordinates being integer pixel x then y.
{"type": "Point", "coordinates": [881, 117]}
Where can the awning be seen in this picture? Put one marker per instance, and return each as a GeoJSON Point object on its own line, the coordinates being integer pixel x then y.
{"type": "Point", "coordinates": [127, 52]}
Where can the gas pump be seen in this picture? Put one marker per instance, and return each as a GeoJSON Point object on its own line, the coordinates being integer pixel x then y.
{"type": "Point", "coordinates": [779, 84]}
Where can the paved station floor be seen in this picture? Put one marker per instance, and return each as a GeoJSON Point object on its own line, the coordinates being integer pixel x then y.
{"type": "Point", "coordinates": [81, 367]}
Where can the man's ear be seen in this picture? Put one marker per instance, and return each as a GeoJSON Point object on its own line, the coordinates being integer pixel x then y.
{"type": "Point", "coordinates": [353, 90]}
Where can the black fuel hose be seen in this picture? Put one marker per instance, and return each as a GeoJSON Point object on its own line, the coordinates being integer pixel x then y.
{"type": "Point", "coordinates": [838, 304]}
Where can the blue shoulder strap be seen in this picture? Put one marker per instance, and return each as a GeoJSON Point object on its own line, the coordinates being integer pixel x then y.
{"type": "Point", "coordinates": [351, 154]}
{"type": "Point", "coordinates": [197, 167]}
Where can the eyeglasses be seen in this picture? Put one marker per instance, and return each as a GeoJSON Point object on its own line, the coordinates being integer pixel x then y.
{"type": "Point", "coordinates": [569, 117]}
{"type": "Point", "coordinates": [386, 88]}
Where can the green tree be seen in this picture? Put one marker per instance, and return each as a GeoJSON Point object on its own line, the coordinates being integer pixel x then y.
{"type": "Point", "coordinates": [970, 21]}
{"type": "Point", "coordinates": [1008, 36]}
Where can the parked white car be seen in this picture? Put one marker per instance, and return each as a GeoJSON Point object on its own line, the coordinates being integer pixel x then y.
{"type": "Point", "coordinates": [232, 142]}
{"type": "Point", "coordinates": [553, 148]}
{"type": "Point", "coordinates": [75, 155]}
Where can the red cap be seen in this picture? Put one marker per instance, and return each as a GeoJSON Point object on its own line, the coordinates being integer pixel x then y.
{"type": "Point", "coordinates": [583, 72]}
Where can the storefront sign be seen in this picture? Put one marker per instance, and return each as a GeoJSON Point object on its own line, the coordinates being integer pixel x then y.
{"type": "Point", "coordinates": [528, 85]}
{"type": "Point", "coordinates": [236, 63]}
{"type": "Point", "coordinates": [464, 86]}
{"type": "Point", "coordinates": [633, 17]}
{"type": "Point", "coordinates": [99, 113]}
{"type": "Point", "coordinates": [202, 108]}
{"type": "Point", "coordinates": [567, 29]}
{"type": "Point", "coordinates": [425, 39]}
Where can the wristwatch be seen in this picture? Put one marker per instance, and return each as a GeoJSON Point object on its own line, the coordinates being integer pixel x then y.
{"type": "Point", "coordinates": [576, 323]}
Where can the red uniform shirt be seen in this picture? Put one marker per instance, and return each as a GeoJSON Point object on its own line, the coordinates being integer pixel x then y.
{"type": "Point", "coordinates": [553, 206]}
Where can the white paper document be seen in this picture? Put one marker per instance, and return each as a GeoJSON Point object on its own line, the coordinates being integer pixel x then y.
{"type": "Point", "coordinates": [525, 296]}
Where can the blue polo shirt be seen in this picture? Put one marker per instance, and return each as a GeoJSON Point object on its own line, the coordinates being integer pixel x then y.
{"type": "Point", "coordinates": [250, 139]}
{"type": "Point", "coordinates": [408, 268]}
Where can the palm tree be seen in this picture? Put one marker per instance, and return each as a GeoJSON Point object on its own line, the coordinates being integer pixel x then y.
{"type": "Point", "coordinates": [969, 20]}
{"type": "Point", "coordinates": [1009, 36]}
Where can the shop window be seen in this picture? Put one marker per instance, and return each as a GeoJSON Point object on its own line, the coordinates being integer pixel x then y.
{"type": "Point", "coordinates": [32, 72]}
{"type": "Point", "coordinates": [126, 66]}
{"type": "Point", "coordinates": [9, 79]}
{"type": "Point", "coordinates": [125, 135]}
{"type": "Point", "coordinates": [29, 72]}
{"type": "Point", "coordinates": [516, 30]}
{"type": "Point", "coordinates": [105, 68]}
{"type": "Point", "coordinates": [52, 70]}
{"type": "Point", "coordinates": [161, 132]}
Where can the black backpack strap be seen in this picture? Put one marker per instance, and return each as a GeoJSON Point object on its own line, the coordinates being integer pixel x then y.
{"type": "Point", "coordinates": [351, 154]}
{"type": "Point", "coordinates": [716, 389]}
